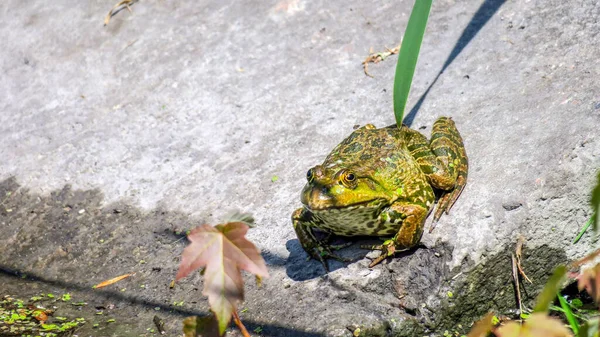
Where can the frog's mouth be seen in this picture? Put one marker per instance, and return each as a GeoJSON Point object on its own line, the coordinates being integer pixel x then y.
{"type": "Point", "coordinates": [325, 208]}
{"type": "Point", "coordinates": [321, 198]}
{"type": "Point", "coordinates": [330, 207]}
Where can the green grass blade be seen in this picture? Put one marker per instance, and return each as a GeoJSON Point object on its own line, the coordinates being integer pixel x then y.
{"type": "Point", "coordinates": [595, 198]}
{"type": "Point", "coordinates": [546, 297]}
{"type": "Point", "coordinates": [568, 313]}
{"type": "Point", "coordinates": [408, 55]}
{"type": "Point", "coordinates": [584, 229]}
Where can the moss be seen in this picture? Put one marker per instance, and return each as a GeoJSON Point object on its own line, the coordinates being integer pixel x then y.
{"type": "Point", "coordinates": [489, 286]}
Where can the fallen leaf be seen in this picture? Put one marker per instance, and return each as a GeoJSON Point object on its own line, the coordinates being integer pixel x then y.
{"type": "Point", "coordinates": [223, 250]}
{"type": "Point", "coordinates": [482, 327]}
{"type": "Point", "coordinates": [40, 315]}
{"type": "Point", "coordinates": [112, 280]}
{"type": "Point", "coordinates": [537, 325]}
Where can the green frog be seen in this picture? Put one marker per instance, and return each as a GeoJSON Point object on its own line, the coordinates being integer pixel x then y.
{"type": "Point", "coordinates": [381, 182]}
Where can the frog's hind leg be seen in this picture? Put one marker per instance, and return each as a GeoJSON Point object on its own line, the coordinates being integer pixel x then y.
{"type": "Point", "coordinates": [447, 145]}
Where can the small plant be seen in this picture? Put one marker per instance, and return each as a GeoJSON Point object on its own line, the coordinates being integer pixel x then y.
{"type": "Point", "coordinates": [18, 318]}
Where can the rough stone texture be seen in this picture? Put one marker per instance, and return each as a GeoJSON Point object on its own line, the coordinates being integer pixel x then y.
{"type": "Point", "coordinates": [181, 111]}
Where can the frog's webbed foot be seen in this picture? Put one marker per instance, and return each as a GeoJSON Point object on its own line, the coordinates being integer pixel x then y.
{"type": "Point", "coordinates": [322, 252]}
{"type": "Point", "coordinates": [319, 250]}
{"type": "Point", "coordinates": [388, 248]}
{"type": "Point", "coordinates": [449, 198]}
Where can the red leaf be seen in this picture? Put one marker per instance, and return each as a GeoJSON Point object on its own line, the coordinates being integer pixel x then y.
{"type": "Point", "coordinates": [590, 280]}
{"type": "Point", "coordinates": [223, 250]}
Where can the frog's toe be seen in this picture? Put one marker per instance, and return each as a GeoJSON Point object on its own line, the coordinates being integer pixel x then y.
{"type": "Point", "coordinates": [448, 199]}
{"type": "Point", "coordinates": [322, 253]}
{"type": "Point", "coordinates": [387, 250]}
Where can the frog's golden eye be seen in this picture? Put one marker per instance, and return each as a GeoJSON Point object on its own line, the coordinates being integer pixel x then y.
{"type": "Point", "coordinates": [310, 175]}
{"type": "Point", "coordinates": [348, 179]}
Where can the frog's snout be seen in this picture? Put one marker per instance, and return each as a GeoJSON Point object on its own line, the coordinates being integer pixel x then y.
{"type": "Point", "coordinates": [318, 174]}
{"type": "Point", "coordinates": [316, 196]}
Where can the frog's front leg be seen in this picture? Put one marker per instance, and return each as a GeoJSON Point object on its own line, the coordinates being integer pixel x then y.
{"type": "Point", "coordinates": [412, 218]}
{"type": "Point", "coordinates": [304, 222]}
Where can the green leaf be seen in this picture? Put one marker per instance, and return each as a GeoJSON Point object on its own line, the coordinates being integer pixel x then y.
{"type": "Point", "coordinates": [568, 313]}
{"type": "Point", "coordinates": [596, 203]}
{"type": "Point", "coordinates": [408, 55]}
{"type": "Point", "coordinates": [546, 297]}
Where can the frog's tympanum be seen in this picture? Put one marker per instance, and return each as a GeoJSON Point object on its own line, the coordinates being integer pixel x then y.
{"type": "Point", "coordinates": [381, 182]}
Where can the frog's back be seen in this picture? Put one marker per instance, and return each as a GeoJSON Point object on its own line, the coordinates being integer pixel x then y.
{"type": "Point", "coordinates": [366, 145]}
{"type": "Point", "coordinates": [382, 155]}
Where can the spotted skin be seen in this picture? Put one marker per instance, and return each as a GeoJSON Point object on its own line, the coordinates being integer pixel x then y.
{"type": "Point", "coordinates": [380, 182]}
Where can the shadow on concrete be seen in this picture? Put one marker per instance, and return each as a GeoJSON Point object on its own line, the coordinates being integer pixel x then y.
{"type": "Point", "coordinates": [267, 330]}
{"type": "Point", "coordinates": [481, 17]}
{"type": "Point", "coordinates": [70, 240]}
{"type": "Point", "coordinates": [300, 268]}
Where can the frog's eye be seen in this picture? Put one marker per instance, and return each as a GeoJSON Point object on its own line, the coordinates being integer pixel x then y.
{"type": "Point", "coordinates": [348, 179]}
{"type": "Point", "coordinates": [310, 175]}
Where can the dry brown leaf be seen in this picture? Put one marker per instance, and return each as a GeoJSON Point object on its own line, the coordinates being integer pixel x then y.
{"type": "Point", "coordinates": [482, 327]}
{"type": "Point", "coordinates": [40, 315]}
{"type": "Point", "coordinates": [537, 325]}
{"type": "Point", "coordinates": [223, 250]}
{"type": "Point", "coordinates": [112, 280]}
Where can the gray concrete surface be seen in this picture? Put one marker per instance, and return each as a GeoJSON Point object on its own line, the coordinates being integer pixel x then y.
{"type": "Point", "coordinates": [182, 111]}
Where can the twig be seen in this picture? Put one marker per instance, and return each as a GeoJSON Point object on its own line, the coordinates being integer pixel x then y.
{"type": "Point", "coordinates": [518, 251]}
{"type": "Point", "coordinates": [515, 276]}
{"type": "Point", "coordinates": [378, 57]}
{"type": "Point", "coordinates": [112, 280]}
{"type": "Point", "coordinates": [238, 322]}
{"type": "Point", "coordinates": [119, 7]}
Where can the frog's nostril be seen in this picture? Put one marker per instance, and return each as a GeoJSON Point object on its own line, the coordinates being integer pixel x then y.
{"type": "Point", "coordinates": [319, 171]}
